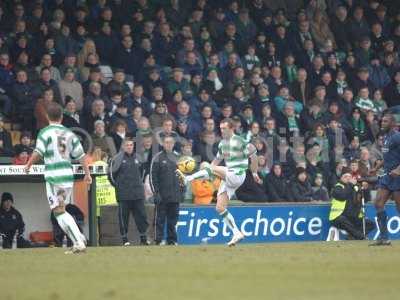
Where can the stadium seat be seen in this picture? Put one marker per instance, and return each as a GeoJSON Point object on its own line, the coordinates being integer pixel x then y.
{"type": "Point", "coordinates": [5, 160]}
{"type": "Point", "coordinates": [15, 136]}
{"type": "Point", "coordinates": [7, 126]}
{"type": "Point", "coordinates": [41, 237]}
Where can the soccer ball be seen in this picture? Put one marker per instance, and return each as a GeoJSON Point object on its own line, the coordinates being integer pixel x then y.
{"type": "Point", "coordinates": [186, 164]}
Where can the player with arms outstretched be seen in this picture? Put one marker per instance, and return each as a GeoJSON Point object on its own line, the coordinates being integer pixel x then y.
{"type": "Point", "coordinates": [58, 145]}
{"type": "Point", "coordinates": [389, 183]}
{"type": "Point", "coordinates": [235, 152]}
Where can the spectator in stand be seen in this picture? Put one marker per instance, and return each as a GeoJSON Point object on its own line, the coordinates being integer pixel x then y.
{"type": "Point", "coordinates": [69, 86]}
{"type": "Point", "coordinates": [97, 112]}
{"type": "Point", "coordinates": [320, 29]}
{"type": "Point", "coordinates": [300, 189]}
{"type": "Point", "coordinates": [47, 62]}
{"type": "Point", "coordinates": [25, 142]}
{"type": "Point", "coordinates": [276, 185]}
{"type": "Point", "coordinates": [102, 140]}
{"type": "Point", "coordinates": [41, 106]}
{"type": "Point", "coordinates": [22, 95]}
{"type": "Point", "coordinates": [5, 140]}
{"type": "Point", "coordinates": [22, 155]}
{"type": "Point", "coordinates": [45, 82]}
{"type": "Point", "coordinates": [91, 65]}
{"type": "Point", "coordinates": [392, 91]}
{"type": "Point", "coordinates": [126, 57]}
{"type": "Point", "coordinates": [89, 47]}
{"type": "Point", "coordinates": [159, 115]}
{"type": "Point", "coordinates": [320, 192]}
{"type": "Point", "coordinates": [6, 81]}
{"type": "Point", "coordinates": [71, 117]}
{"type": "Point", "coordinates": [118, 133]}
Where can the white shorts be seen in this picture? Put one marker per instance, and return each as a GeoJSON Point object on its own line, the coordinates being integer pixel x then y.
{"type": "Point", "coordinates": [231, 183]}
{"type": "Point", "coordinates": [57, 194]}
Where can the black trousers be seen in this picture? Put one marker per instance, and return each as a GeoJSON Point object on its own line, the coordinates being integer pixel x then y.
{"type": "Point", "coordinates": [353, 226]}
{"type": "Point", "coordinates": [8, 240]}
{"type": "Point", "coordinates": [59, 234]}
{"type": "Point", "coordinates": [166, 213]}
{"type": "Point", "coordinates": [136, 207]}
{"type": "Point", "coordinates": [251, 191]}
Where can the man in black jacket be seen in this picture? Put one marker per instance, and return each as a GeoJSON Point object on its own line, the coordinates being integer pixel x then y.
{"type": "Point", "coordinates": [346, 207]}
{"type": "Point", "coordinates": [11, 222]}
{"type": "Point", "coordinates": [126, 175]}
{"type": "Point", "coordinates": [167, 190]}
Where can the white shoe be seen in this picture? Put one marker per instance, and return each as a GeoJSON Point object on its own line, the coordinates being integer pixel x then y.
{"type": "Point", "coordinates": [127, 244]}
{"type": "Point", "coordinates": [84, 239]}
{"type": "Point", "coordinates": [236, 239]}
{"type": "Point", "coordinates": [76, 250]}
{"type": "Point", "coordinates": [182, 178]}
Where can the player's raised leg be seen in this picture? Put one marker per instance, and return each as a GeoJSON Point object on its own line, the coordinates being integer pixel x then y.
{"type": "Point", "coordinates": [206, 171]}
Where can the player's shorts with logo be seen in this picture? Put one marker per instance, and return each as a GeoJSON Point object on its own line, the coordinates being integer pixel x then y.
{"type": "Point", "coordinates": [231, 183]}
{"type": "Point", "coordinates": [58, 193]}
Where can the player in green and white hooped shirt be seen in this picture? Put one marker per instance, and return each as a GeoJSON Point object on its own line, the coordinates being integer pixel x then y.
{"type": "Point", "coordinates": [58, 145]}
{"type": "Point", "coordinates": [235, 151]}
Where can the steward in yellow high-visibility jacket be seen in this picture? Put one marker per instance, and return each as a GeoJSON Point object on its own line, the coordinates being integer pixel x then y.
{"type": "Point", "coordinates": [346, 209]}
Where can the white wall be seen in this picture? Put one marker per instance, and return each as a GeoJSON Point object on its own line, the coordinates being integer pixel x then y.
{"type": "Point", "coordinates": [30, 200]}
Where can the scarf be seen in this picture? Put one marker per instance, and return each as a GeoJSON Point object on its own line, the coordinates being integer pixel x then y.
{"type": "Point", "coordinates": [341, 85]}
{"type": "Point", "coordinates": [292, 124]}
{"type": "Point", "coordinates": [358, 126]}
{"type": "Point", "coordinates": [218, 84]}
{"type": "Point", "coordinates": [291, 72]}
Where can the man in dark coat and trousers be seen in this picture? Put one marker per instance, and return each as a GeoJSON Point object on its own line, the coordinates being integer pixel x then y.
{"type": "Point", "coordinates": [167, 191]}
{"type": "Point", "coordinates": [125, 174]}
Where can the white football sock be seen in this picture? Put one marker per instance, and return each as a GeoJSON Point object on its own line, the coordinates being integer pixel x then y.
{"type": "Point", "coordinates": [230, 221]}
{"type": "Point", "coordinates": [68, 224]}
{"type": "Point", "coordinates": [203, 174]}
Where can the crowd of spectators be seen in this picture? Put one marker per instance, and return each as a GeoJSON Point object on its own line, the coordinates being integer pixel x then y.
{"type": "Point", "coordinates": [305, 81]}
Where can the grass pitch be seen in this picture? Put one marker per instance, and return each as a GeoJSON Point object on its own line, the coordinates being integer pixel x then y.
{"type": "Point", "coordinates": [336, 270]}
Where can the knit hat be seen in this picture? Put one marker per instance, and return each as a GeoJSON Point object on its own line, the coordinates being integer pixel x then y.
{"type": "Point", "coordinates": [7, 196]}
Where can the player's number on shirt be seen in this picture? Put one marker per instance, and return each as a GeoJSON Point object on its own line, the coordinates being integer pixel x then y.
{"type": "Point", "coordinates": [62, 145]}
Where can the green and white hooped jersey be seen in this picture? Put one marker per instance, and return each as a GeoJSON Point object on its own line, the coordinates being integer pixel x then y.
{"type": "Point", "coordinates": [58, 146]}
{"type": "Point", "coordinates": [235, 153]}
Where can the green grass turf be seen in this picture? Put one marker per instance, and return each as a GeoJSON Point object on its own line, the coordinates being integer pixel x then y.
{"type": "Point", "coordinates": [335, 270]}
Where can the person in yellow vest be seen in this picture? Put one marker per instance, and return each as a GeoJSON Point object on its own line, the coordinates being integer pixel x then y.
{"type": "Point", "coordinates": [345, 211]}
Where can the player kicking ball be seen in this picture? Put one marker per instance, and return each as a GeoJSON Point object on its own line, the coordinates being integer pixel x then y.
{"type": "Point", "coordinates": [235, 151]}
{"type": "Point", "coordinates": [389, 183]}
{"type": "Point", "coordinates": [58, 145]}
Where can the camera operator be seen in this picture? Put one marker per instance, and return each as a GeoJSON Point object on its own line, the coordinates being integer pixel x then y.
{"type": "Point", "coordinates": [346, 206]}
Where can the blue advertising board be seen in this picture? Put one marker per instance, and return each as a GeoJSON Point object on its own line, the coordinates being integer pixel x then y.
{"type": "Point", "coordinates": [268, 223]}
